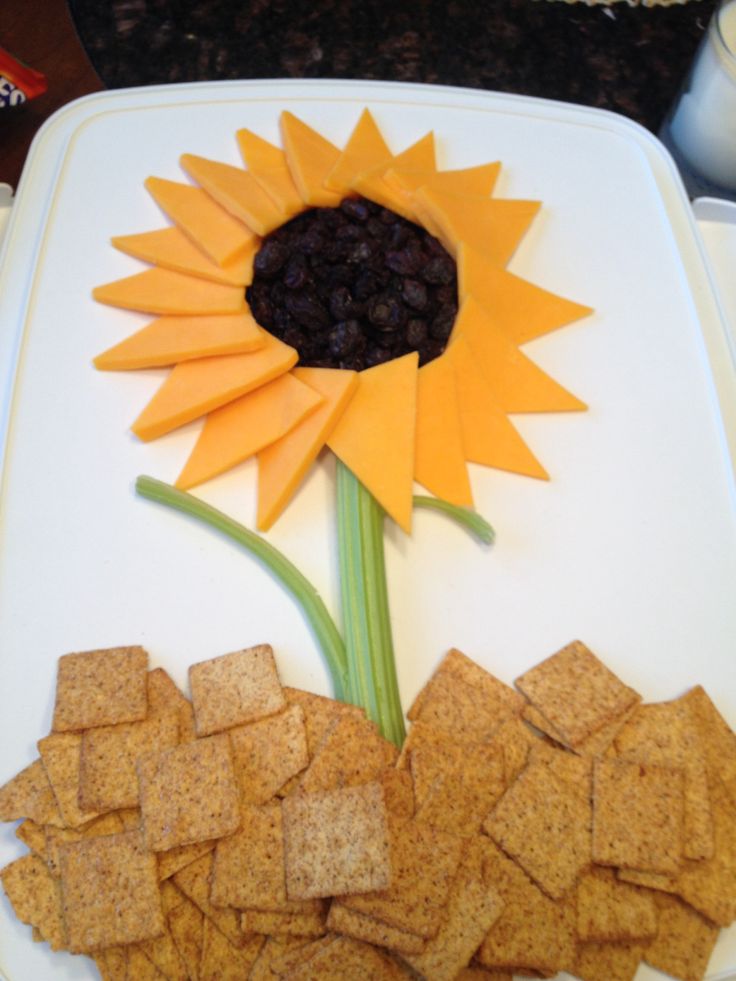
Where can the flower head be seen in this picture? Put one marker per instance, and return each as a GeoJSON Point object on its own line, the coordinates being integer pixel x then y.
{"type": "Point", "coordinates": [414, 413]}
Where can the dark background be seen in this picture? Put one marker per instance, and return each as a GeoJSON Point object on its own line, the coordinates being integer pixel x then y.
{"type": "Point", "coordinates": [627, 59]}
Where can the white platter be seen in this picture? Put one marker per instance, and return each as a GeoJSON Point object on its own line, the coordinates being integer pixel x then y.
{"type": "Point", "coordinates": [630, 547]}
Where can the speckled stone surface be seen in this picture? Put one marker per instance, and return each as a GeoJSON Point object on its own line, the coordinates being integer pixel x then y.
{"type": "Point", "coordinates": [627, 59]}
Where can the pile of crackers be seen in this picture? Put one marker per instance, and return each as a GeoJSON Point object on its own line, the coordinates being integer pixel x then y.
{"type": "Point", "coordinates": [256, 831]}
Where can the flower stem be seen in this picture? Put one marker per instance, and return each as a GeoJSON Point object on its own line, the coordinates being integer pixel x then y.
{"type": "Point", "coordinates": [372, 681]}
{"type": "Point", "coordinates": [288, 575]}
{"type": "Point", "coordinates": [467, 518]}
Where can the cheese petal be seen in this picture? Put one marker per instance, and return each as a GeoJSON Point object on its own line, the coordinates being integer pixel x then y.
{"type": "Point", "coordinates": [241, 428]}
{"type": "Point", "coordinates": [283, 464]}
{"type": "Point", "coordinates": [169, 340]}
{"type": "Point", "coordinates": [194, 388]}
{"type": "Point", "coordinates": [375, 436]}
{"type": "Point", "coordinates": [171, 249]}
{"type": "Point", "coordinates": [209, 226]}
{"type": "Point", "coordinates": [164, 291]}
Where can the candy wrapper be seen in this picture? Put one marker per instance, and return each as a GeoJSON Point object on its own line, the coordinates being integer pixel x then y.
{"type": "Point", "coordinates": [18, 82]}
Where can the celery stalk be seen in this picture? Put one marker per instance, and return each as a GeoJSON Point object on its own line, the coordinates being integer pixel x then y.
{"type": "Point", "coordinates": [286, 573]}
{"type": "Point", "coordinates": [372, 681]}
{"type": "Point", "coordinates": [466, 517]}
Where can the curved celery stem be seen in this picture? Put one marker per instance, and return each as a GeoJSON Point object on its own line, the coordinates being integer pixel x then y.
{"type": "Point", "coordinates": [287, 574]}
{"type": "Point", "coordinates": [372, 681]}
{"type": "Point", "coordinates": [468, 519]}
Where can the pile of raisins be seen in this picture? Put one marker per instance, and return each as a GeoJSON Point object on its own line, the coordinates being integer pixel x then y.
{"type": "Point", "coordinates": [354, 286]}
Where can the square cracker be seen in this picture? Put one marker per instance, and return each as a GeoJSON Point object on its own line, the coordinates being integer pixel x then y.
{"type": "Point", "coordinates": [465, 698]}
{"type": "Point", "coordinates": [638, 815]}
{"type": "Point", "coordinates": [186, 926]}
{"type": "Point", "coordinates": [107, 773]}
{"type": "Point", "coordinates": [609, 910]}
{"type": "Point", "coordinates": [100, 688]}
{"type": "Point", "coordinates": [665, 733]}
{"type": "Point", "coordinates": [320, 713]}
{"type": "Point", "coordinates": [544, 823]}
{"type": "Point", "coordinates": [29, 795]}
{"type": "Point", "coordinates": [248, 868]}
{"type": "Point", "coordinates": [60, 753]}
{"type": "Point", "coordinates": [684, 942]}
{"type": "Point", "coordinates": [576, 693]}
{"type": "Point", "coordinates": [110, 892]}
{"type": "Point", "coordinates": [268, 753]}
{"type": "Point", "coordinates": [607, 961]}
{"type": "Point", "coordinates": [460, 796]}
{"type": "Point", "coordinates": [338, 958]}
{"type": "Point", "coordinates": [709, 885]}
{"type": "Point", "coordinates": [717, 739]}
{"type": "Point", "coordinates": [533, 931]}
{"type": "Point", "coordinates": [224, 961]}
{"type": "Point", "coordinates": [336, 842]}
{"type": "Point", "coordinates": [194, 882]}
{"type": "Point", "coordinates": [236, 688]}
{"type": "Point", "coordinates": [424, 864]}
{"type": "Point", "coordinates": [36, 898]}
{"type": "Point", "coordinates": [352, 752]}
{"type": "Point", "coordinates": [107, 824]}
{"type": "Point", "coordinates": [351, 923]}
{"type": "Point", "coordinates": [189, 793]}
{"type": "Point", "coordinates": [473, 907]}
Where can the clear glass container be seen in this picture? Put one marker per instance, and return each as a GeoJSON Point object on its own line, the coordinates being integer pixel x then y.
{"type": "Point", "coordinates": [700, 129]}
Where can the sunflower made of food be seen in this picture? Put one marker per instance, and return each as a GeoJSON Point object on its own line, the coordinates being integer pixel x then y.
{"type": "Point", "coordinates": [353, 299]}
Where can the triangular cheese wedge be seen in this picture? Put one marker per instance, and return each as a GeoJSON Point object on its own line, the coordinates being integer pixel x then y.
{"type": "Point", "coordinates": [169, 340]}
{"type": "Point", "coordinates": [241, 428]}
{"type": "Point", "coordinates": [376, 434]}
{"type": "Point", "coordinates": [283, 465]}
{"type": "Point", "coordinates": [267, 163]}
{"type": "Point", "coordinates": [519, 308]}
{"type": "Point", "coordinates": [194, 388]}
{"type": "Point", "coordinates": [466, 180]}
{"type": "Point", "coordinates": [439, 463]}
{"type": "Point", "coordinates": [371, 185]}
{"type": "Point", "coordinates": [171, 249]}
{"type": "Point", "coordinates": [493, 225]}
{"type": "Point", "coordinates": [167, 292]}
{"type": "Point", "coordinates": [489, 438]}
{"type": "Point", "coordinates": [366, 148]}
{"type": "Point", "coordinates": [517, 384]}
{"type": "Point", "coordinates": [210, 227]}
{"type": "Point", "coordinates": [235, 190]}
{"type": "Point", "coordinates": [310, 158]}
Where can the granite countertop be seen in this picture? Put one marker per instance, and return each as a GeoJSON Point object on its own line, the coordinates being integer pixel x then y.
{"type": "Point", "coordinates": [627, 59]}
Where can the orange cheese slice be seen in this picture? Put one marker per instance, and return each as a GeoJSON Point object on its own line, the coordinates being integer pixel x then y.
{"type": "Point", "coordinates": [310, 157]}
{"type": "Point", "coordinates": [171, 249]}
{"type": "Point", "coordinates": [465, 180]}
{"type": "Point", "coordinates": [235, 190]}
{"type": "Point", "coordinates": [194, 388]}
{"type": "Point", "coordinates": [164, 291]}
{"type": "Point", "coordinates": [439, 463]}
{"type": "Point", "coordinates": [366, 148]}
{"type": "Point", "coordinates": [371, 184]}
{"type": "Point", "coordinates": [283, 465]}
{"type": "Point", "coordinates": [267, 163]}
{"type": "Point", "coordinates": [522, 310]}
{"type": "Point", "coordinates": [169, 340]}
{"type": "Point", "coordinates": [495, 226]}
{"type": "Point", "coordinates": [241, 428]}
{"type": "Point", "coordinates": [209, 226]}
{"type": "Point", "coordinates": [489, 438]}
{"type": "Point", "coordinates": [518, 385]}
{"type": "Point", "coordinates": [376, 434]}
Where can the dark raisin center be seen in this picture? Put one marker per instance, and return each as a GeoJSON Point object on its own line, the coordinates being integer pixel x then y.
{"type": "Point", "coordinates": [354, 286]}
